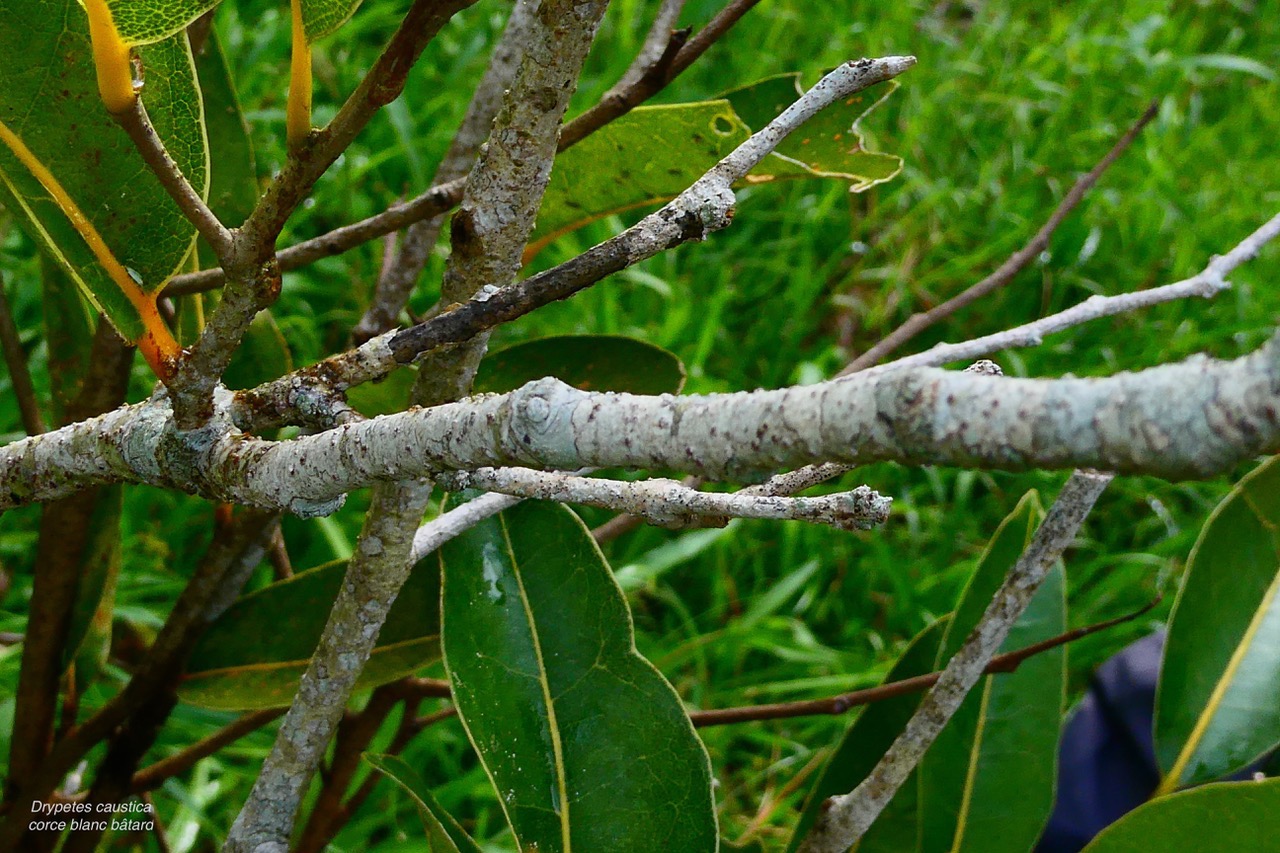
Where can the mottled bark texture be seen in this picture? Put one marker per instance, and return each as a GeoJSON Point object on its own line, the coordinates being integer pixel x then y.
{"type": "Point", "coordinates": [1193, 419]}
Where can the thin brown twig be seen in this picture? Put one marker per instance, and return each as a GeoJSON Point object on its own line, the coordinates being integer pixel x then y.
{"type": "Point", "coordinates": [66, 527]}
{"type": "Point", "coordinates": [1004, 663]}
{"type": "Point", "coordinates": [139, 128]}
{"type": "Point", "coordinates": [1006, 272]}
{"type": "Point", "coordinates": [382, 85]}
{"type": "Point", "coordinates": [638, 86]}
{"type": "Point", "coordinates": [215, 582]}
{"type": "Point", "coordinates": [19, 373]}
{"type": "Point", "coordinates": [434, 201]}
{"type": "Point", "coordinates": [442, 197]}
{"type": "Point", "coordinates": [155, 775]}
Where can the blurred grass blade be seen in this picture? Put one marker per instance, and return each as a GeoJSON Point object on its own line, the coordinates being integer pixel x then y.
{"type": "Point", "coordinates": [587, 745]}
{"type": "Point", "coordinates": [1216, 705]}
{"type": "Point", "coordinates": [861, 746]}
{"type": "Point", "coordinates": [1225, 818]}
{"type": "Point", "coordinates": [254, 654]}
{"type": "Point", "coordinates": [443, 833]}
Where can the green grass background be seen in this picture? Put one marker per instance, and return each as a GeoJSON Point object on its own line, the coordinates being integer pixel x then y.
{"type": "Point", "coordinates": [1010, 102]}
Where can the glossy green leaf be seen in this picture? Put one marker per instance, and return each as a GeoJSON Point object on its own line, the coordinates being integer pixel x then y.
{"type": "Point", "coordinates": [1012, 760]}
{"type": "Point", "coordinates": [321, 17]}
{"type": "Point", "coordinates": [587, 362]}
{"type": "Point", "coordinates": [147, 21]}
{"type": "Point", "coordinates": [829, 145]}
{"type": "Point", "coordinates": [987, 782]}
{"type": "Point", "coordinates": [1216, 705]}
{"type": "Point", "coordinates": [862, 745]}
{"type": "Point", "coordinates": [587, 745]}
{"type": "Point", "coordinates": [385, 396]}
{"type": "Point", "coordinates": [653, 153]}
{"type": "Point", "coordinates": [233, 176]}
{"type": "Point", "coordinates": [255, 653]}
{"type": "Point", "coordinates": [1230, 817]}
{"type": "Point", "coordinates": [443, 833]}
{"type": "Point", "coordinates": [50, 101]}
{"type": "Point", "coordinates": [263, 355]}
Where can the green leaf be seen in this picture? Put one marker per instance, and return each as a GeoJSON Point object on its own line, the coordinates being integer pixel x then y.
{"type": "Point", "coordinates": [587, 745]}
{"type": "Point", "coordinates": [147, 21]}
{"type": "Point", "coordinates": [653, 153]}
{"type": "Point", "coordinates": [994, 763]}
{"type": "Point", "coordinates": [233, 177]}
{"type": "Point", "coordinates": [829, 145]}
{"type": "Point", "coordinates": [1012, 761]}
{"type": "Point", "coordinates": [1224, 818]}
{"type": "Point", "coordinates": [385, 396]}
{"type": "Point", "coordinates": [50, 102]}
{"type": "Point", "coordinates": [587, 362]}
{"type": "Point", "coordinates": [443, 833]}
{"type": "Point", "coordinates": [254, 654]}
{"type": "Point", "coordinates": [862, 745]}
{"type": "Point", "coordinates": [322, 17]}
{"type": "Point", "coordinates": [263, 355]}
{"type": "Point", "coordinates": [1216, 708]}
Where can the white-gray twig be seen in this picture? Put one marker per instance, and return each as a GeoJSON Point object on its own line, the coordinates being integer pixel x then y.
{"type": "Point", "coordinates": [1206, 284]}
{"type": "Point", "coordinates": [670, 503]}
{"type": "Point", "coordinates": [847, 817]}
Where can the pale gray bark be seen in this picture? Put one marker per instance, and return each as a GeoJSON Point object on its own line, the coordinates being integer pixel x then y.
{"type": "Point", "coordinates": [667, 502]}
{"type": "Point", "coordinates": [381, 562]}
{"type": "Point", "coordinates": [1193, 419]}
{"type": "Point", "coordinates": [847, 817]}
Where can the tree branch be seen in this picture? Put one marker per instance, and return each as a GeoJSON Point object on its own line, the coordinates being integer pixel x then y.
{"type": "Point", "coordinates": [397, 280]}
{"type": "Point", "coordinates": [1206, 284]}
{"type": "Point", "coordinates": [155, 775]}
{"type": "Point", "coordinates": [382, 85]}
{"type": "Point", "coordinates": [703, 208]}
{"type": "Point", "coordinates": [440, 198]}
{"type": "Point", "coordinates": [1194, 419]}
{"type": "Point", "coordinates": [847, 817]}
{"type": "Point", "coordinates": [1006, 272]}
{"type": "Point", "coordinates": [667, 502]}
{"type": "Point", "coordinates": [654, 68]}
{"type": "Point", "coordinates": [215, 583]}
{"type": "Point", "coordinates": [374, 576]}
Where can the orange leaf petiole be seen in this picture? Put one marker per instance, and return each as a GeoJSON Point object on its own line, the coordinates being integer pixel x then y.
{"type": "Point", "coordinates": [111, 59]}
{"type": "Point", "coordinates": [159, 347]}
{"type": "Point", "coordinates": [298, 110]}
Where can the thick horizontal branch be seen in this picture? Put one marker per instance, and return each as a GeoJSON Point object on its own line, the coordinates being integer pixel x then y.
{"type": "Point", "coordinates": [1194, 419]}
